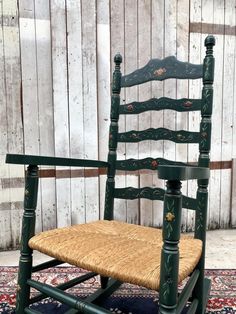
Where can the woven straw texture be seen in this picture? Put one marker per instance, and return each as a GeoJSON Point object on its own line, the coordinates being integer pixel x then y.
{"type": "Point", "coordinates": [123, 251]}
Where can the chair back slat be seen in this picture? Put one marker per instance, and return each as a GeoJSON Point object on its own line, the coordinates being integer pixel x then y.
{"type": "Point", "coordinates": [131, 193]}
{"type": "Point", "coordinates": [146, 163]}
{"type": "Point", "coordinates": [159, 134]}
{"type": "Point", "coordinates": [160, 70]}
{"type": "Point", "coordinates": [162, 103]}
{"type": "Point", "coordinates": [153, 194]}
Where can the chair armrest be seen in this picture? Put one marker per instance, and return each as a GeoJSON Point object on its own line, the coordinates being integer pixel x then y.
{"type": "Point", "coordinates": [173, 172]}
{"type": "Point", "coordinates": [53, 161]}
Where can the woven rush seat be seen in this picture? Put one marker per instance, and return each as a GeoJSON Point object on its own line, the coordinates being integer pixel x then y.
{"type": "Point", "coordinates": [123, 251]}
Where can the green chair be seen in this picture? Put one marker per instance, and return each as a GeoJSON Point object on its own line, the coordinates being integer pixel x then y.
{"type": "Point", "coordinates": [118, 251]}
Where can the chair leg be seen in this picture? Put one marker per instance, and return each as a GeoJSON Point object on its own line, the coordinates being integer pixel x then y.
{"type": "Point", "coordinates": [23, 289]}
{"type": "Point", "coordinates": [28, 227]}
{"type": "Point", "coordinates": [104, 281]}
{"type": "Point", "coordinates": [170, 251]}
{"type": "Point", "coordinates": [201, 290]}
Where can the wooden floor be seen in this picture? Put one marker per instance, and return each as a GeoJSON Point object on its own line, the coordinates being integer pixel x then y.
{"type": "Point", "coordinates": [221, 251]}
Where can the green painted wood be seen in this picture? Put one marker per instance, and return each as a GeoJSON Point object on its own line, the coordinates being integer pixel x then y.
{"type": "Point", "coordinates": [200, 233]}
{"type": "Point", "coordinates": [160, 70]}
{"type": "Point", "coordinates": [71, 311]}
{"type": "Point", "coordinates": [193, 307]}
{"type": "Point", "coordinates": [205, 134]}
{"type": "Point", "coordinates": [113, 133]}
{"type": "Point", "coordinates": [204, 160]}
{"type": "Point", "coordinates": [162, 103]}
{"type": "Point", "coordinates": [31, 311]}
{"type": "Point", "coordinates": [101, 294]}
{"type": "Point", "coordinates": [187, 291]}
{"type": "Point", "coordinates": [53, 161]}
{"type": "Point", "coordinates": [170, 251]}
{"type": "Point", "coordinates": [152, 194]}
{"type": "Point", "coordinates": [159, 134]}
{"type": "Point", "coordinates": [66, 298]}
{"type": "Point", "coordinates": [64, 286]}
{"type": "Point", "coordinates": [131, 193]}
{"type": "Point", "coordinates": [146, 163]}
{"type": "Point", "coordinates": [207, 100]}
{"type": "Point", "coordinates": [28, 230]}
{"type": "Point", "coordinates": [45, 265]}
{"type": "Point", "coordinates": [207, 289]}
{"type": "Point", "coordinates": [104, 281]}
{"type": "Point", "coordinates": [189, 202]}
{"type": "Point", "coordinates": [171, 172]}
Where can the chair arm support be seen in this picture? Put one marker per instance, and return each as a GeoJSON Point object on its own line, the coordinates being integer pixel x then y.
{"type": "Point", "coordinates": [173, 172]}
{"type": "Point", "coordinates": [53, 161]}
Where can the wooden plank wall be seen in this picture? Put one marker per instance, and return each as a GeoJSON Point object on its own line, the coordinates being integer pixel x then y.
{"type": "Point", "coordinates": [56, 64]}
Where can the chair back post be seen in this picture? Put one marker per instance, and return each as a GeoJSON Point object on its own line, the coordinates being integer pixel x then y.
{"type": "Point", "coordinates": [28, 231]}
{"type": "Point", "coordinates": [170, 250]}
{"type": "Point", "coordinates": [112, 156]}
{"type": "Point", "coordinates": [205, 138]}
{"type": "Point", "coordinates": [204, 160]}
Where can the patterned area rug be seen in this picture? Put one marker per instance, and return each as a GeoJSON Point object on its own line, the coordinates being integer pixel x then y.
{"type": "Point", "coordinates": [129, 299]}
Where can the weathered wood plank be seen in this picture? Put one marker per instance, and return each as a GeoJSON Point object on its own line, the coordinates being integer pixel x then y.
{"type": "Point", "coordinates": [170, 85]}
{"type": "Point", "coordinates": [131, 63]}
{"type": "Point", "coordinates": [30, 87]}
{"type": "Point", "coordinates": [89, 60]}
{"type": "Point", "coordinates": [5, 215]}
{"type": "Point", "coordinates": [195, 86]}
{"type": "Point", "coordinates": [103, 84]}
{"type": "Point", "coordinates": [216, 137]}
{"type": "Point", "coordinates": [233, 195]}
{"type": "Point", "coordinates": [60, 100]}
{"type": "Point", "coordinates": [227, 113]}
{"type": "Point", "coordinates": [45, 105]}
{"type": "Point", "coordinates": [76, 112]}
{"type": "Point", "coordinates": [182, 49]}
{"type": "Point", "coordinates": [13, 120]}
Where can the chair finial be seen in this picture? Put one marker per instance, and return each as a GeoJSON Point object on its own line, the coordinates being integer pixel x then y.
{"type": "Point", "coordinates": [210, 41]}
{"type": "Point", "coordinates": [118, 58]}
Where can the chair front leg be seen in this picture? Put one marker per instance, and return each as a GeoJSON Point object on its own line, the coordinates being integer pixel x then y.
{"type": "Point", "coordinates": [28, 230]}
{"type": "Point", "coordinates": [170, 251]}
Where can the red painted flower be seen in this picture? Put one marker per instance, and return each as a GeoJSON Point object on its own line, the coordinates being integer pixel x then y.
{"type": "Point", "coordinates": [154, 163]}
{"type": "Point", "coordinates": [188, 104]}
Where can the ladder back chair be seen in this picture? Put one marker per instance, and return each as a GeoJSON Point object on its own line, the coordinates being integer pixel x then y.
{"type": "Point", "coordinates": [118, 251]}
